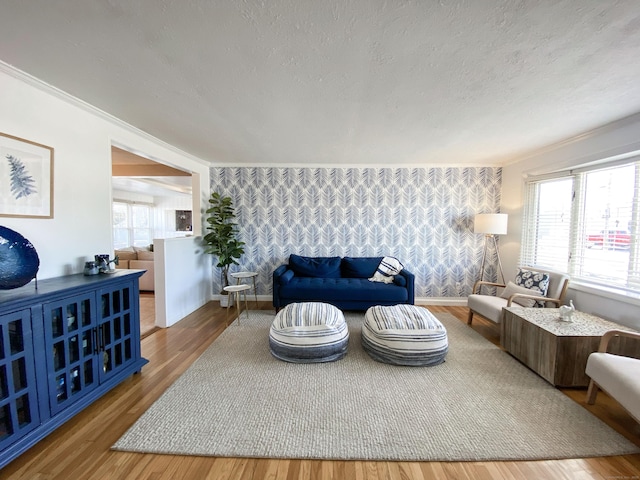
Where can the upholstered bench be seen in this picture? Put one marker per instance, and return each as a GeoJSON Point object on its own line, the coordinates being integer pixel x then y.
{"type": "Point", "coordinates": [309, 332]}
{"type": "Point", "coordinates": [404, 335]}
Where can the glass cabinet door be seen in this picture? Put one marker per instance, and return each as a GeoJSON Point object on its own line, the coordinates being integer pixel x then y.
{"type": "Point", "coordinates": [71, 343]}
{"type": "Point", "coordinates": [117, 329]}
{"type": "Point", "coordinates": [18, 395]}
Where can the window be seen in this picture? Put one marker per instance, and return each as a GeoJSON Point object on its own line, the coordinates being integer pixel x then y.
{"type": "Point", "coordinates": [585, 223]}
{"type": "Point", "coordinates": [131, 225]}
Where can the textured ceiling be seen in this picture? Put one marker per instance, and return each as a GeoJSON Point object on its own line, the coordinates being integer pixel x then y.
{"type": "Point", "coordinates": [335, 82]}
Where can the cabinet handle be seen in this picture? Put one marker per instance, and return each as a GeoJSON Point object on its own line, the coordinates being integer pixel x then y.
{"type": "Point", "coordinates": [95, 340]}
{"type": "Point", "coordinates": [102, 341]}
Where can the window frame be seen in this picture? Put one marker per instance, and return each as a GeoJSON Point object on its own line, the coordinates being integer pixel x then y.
{"type": "Point", "coordinates": [578, 225]}
{"type": "Point", "coordinates": [130, 228]}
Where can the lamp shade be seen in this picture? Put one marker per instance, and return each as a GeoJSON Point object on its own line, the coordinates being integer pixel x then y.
{"type": "Point", "coordinates": [490, 223]}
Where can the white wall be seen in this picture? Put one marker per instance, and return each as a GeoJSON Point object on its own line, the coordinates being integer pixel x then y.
{"type": "Point", "coordinates": [609, 141]}
{"type": "Point", "coordinates": [179, 265]}
{"type": "Point", "coordinates": [81, 138]}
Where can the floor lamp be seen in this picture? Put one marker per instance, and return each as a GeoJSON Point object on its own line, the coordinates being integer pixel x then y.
{"type": "Point", "coordinates": [491, 224]}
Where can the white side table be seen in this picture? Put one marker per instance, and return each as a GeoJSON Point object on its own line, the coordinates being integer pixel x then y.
{"type": "Point", "coordinates": [252, 275]}
{"type": "Point", "coordinates": [237, 290]}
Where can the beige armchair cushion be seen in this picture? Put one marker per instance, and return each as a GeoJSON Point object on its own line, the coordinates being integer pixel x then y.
{"type": "Point", "coordinates": [617, 375]}
{"type": "Point", "coordinates": [145, 255]}
{"type": "Point", "coordinates": [488, 306]}
{"type": "Point", "coordinates": [513, 288]}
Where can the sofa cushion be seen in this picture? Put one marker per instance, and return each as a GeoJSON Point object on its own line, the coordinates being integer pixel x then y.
{"type": "Point", "coordinates": [145, 255]}
{"type": "Point", "coordinates": [338, 289]}
{"type": "Point", "coordinates": [126, 254]}
{"type": "Point", "coordinates": [359, 267]}
{"type": "Point", "coordinates": [147, 280]}
{"type": "Point", "coordinates": [324, 267]}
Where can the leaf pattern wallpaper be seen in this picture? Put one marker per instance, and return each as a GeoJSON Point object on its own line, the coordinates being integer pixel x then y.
{"type": "Point", "coordinates": [422, 216]}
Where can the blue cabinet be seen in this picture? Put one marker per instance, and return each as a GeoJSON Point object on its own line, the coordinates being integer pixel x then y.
{"type": "Point", "coordinates": [71, 347]}
{"type": "Point", "coordinates": [18, 394]}
{"type": "Point", "coordinates": [62, 347]}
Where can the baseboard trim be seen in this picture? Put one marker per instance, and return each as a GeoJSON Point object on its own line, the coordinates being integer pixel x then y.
{"type": "Point", "coordinates": [442, 301]}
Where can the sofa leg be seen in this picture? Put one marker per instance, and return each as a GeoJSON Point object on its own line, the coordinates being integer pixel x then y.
{"type": "Point", "coordinates": [592, 392]}
{"type": "Point", "coordinates": [470, 317]}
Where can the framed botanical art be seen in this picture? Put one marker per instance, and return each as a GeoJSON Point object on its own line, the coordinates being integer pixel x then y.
{"type": "Point", "coordinates": [26, 176]}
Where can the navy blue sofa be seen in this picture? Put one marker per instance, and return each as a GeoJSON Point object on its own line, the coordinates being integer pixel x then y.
{"type": "Point", "coordinates": [342, 282]}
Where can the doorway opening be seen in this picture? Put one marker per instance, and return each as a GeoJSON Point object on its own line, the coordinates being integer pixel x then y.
{"type": "Point", "coordinates": [150, 201]}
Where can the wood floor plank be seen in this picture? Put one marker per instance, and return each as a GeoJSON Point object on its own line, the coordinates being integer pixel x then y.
{"type": "Point", "coordinates": [80, 449]}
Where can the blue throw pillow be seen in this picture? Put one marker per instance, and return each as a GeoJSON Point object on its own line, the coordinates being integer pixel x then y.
{"type": "Point", "coordinates": [359, 267]}
{"type": "Point", "coordinates": [322, 267]}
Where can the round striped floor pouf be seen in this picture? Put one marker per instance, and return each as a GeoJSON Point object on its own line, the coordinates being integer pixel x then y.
{"type": "Point", "coordinates": [309, 332]}
{"type": "Point", "coordinates": [404, 335]}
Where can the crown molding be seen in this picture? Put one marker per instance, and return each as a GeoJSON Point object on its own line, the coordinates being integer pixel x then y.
{"type": "Point", "coordinates": [76, 102]}
{"type": "Point", "coordinates": [602, 129]}
{"type": "Point", "coordinates": [353, 165]}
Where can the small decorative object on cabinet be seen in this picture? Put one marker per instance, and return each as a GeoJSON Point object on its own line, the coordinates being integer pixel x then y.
{"type": "Point", "coordinates": [61, 348]}
{"type": "Point", "coordinates": [91, 268]}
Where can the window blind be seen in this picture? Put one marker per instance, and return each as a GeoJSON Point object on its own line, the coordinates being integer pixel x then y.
{"type": "Point", "coordinates": [586, 224]}
{"type": "Point", "coordinates": [547, 225]}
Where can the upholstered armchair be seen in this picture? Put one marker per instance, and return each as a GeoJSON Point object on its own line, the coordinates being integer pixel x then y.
{"type": "Point", "coordinates": [531, 287]}
{"type": "Point", "coordinates": [617, 375]}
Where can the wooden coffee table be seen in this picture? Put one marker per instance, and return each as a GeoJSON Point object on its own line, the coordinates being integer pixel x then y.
{"type": "Point", "coordinates": [558, 350]}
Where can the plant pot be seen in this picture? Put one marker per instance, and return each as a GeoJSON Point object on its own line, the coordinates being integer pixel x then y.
{"type": "Point", "coordinates": [226, 301]}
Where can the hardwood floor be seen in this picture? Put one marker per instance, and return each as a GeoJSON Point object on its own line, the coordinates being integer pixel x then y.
{"type": "Point", "coordinates": [147, 314]}
{"type": "Point", "coordinates": [79, 449]}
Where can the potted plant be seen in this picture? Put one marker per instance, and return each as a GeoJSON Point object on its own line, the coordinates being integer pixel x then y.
{"type": "Point", "coordinates": [222, 239]}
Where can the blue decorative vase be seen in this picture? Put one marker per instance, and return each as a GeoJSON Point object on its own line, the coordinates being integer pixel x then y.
{"type": "Point", "coordinates": [19, 260]}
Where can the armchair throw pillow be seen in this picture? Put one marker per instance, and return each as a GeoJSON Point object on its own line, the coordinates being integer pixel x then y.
{"type": "Point", "coordinates": [536, 281]}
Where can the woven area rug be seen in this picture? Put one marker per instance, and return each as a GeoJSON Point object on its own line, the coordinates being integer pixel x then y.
{"type": "Point", "coordinates": [237, 400]}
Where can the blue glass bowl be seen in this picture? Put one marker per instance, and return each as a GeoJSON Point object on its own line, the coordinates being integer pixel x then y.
{"type": "Point", "coordinates": [19, 260]}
